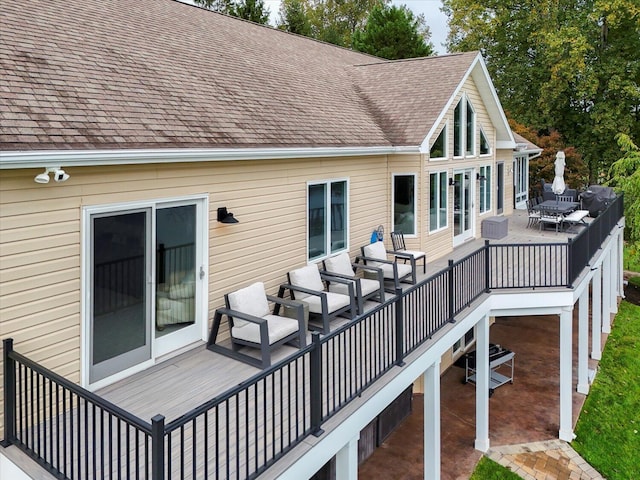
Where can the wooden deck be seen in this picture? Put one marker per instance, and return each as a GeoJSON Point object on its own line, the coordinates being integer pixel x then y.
{"type": "Point", "coordinates": [236, 437]}
{"type": "Point", "coordinates": [182, 383]}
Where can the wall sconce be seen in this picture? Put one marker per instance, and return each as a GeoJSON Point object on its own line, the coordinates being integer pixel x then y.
{"type": "Point", "coordinates": [452, 182]}
{"type": "Point", "coordinates": [481, 178]}
{"type": "Point", "coordinates": [59, 175]}
{"type": "Point", "coordinates": [226, 217]}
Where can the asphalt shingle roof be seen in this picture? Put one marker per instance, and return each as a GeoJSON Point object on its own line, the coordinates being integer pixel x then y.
{"type": "Point", "coordinates": [89, 74]}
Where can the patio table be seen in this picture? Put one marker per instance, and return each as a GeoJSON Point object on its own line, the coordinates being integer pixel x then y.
{"type": "Point", "coordinates": [560, 207]}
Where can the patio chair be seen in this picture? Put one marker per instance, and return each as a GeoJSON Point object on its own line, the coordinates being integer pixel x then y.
{"type": "Point", "coordinates": [534, 215]}
{"type": "Point", "coordinates": [550, 216]}
{"type": "Point", "coordinates": [376, 255]}
{"type": "Point", "coordinates": [340, 266]}
{"type": "Point", "coordinates": [565, 198]}
{"type": "Point", "coordinates": [251, 324]}
{"type": "Point", "coordinates": [397, 239]}
{"type": "Point", "coordinates": [307, 285]}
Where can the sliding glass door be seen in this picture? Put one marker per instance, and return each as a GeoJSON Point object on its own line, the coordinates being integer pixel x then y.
{"type": "Point", "coordinates": [120, 308]}
{"type": "Point", "coordinates": [147, 281]}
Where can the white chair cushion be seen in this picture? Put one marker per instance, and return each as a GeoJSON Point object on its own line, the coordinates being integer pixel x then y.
{"type": "Point", "coordinates": [404, 269]}
{"type": "Point", "coordinates": [251, 300]}
{"type": "Point", "coordinates": [340, 264]}
{"type": "Point", "coordinates": [375, 250]}
{"type": "Point", "coordinates": [335, 301]}
{"type": "Point", "coordinates": [306, 277]}
{"type": "Point", "coordinates": [278, 327]}
{"type": "Point", "coordinates": [416, 254]}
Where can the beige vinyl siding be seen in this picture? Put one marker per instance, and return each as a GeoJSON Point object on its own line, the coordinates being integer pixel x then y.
{"type": "Point", "coordinates": [40, 237]}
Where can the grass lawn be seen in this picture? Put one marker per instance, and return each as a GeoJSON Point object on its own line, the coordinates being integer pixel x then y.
{"type": "Point", "coordinates": [490, 470]}
{"type": "Point", "coordinates": [608, 430]}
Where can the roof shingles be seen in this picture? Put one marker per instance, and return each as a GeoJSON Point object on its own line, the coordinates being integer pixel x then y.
{"type": "Point", "coordinates": [87, 74]}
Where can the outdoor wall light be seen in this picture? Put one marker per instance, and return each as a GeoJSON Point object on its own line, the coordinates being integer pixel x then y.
{"type": "Point", "coordinates": [226, 217]}
{"type": "Point", "coordinates": [59, 175]}
{"type": "Point", "coordinates": [481, 178]}
{"type": "Point", "coordinates": [452, 182]}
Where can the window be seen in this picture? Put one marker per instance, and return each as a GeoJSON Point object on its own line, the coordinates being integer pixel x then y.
{"type": "Point", "coordinates": [439, 147]}
{"type": "Point", "coordinates": [485, 188]}
{"type": "Point", "coordinates": [484, 144]}
{"type": "Point", "coordinates": [465, 341]}
{"type": "Point", "coordinates": [404, 204]}
{"type": "Point", "coordinates": [464, 128]}
{"type": "Point", "coordinates": [437, 201]}
{"type": "Point", "coordinates": [327, 218]}
{"type": "Point", "coordinates": [457, 130]}
{"type": "Point", "coordinates": [471, 130]}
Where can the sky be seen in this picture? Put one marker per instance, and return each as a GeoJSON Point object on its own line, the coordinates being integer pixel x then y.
{"type": "Point", "coordinates": [436, 20]}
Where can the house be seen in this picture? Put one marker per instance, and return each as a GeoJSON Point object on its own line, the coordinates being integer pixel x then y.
{"type": "Point", "coordinates": [129, 134]}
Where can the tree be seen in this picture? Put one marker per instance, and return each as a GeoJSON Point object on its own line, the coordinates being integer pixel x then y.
{"type": "Point", "coordinates": [565, 65]}
{"type": "Point", "coordinates": [625, 177]}
{"type": "Point", "coordinates": [393, 32]}
{"type": "Point", "coordinates": [252, 10]}
{"type": "Point", "coordinates": [222, 6]}
{"type": "Point", "coordinates": [294, 17]}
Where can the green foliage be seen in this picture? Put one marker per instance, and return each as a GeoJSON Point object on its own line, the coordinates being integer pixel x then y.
{"type": "Point", "coordinates": [393, 32]}
{"type": "Point", "coordinates": [608, 430]}
{"type": "Point", "coordinates": [252, 10]}
{"type": "Point", "coordinates": [294, 17]}
{"type": "Point", "coordinates": [332, 21]}
{"type": "Point", "coordinates": [565, 65]}
{"type": "Point", "coordinates": [489, 470]}
{"type": "Point", "coordinates": [624, 176]}
{"type": "Point", "coordinates": [576, 172]}
{"type": "Point", "coordinates": [222, 6]}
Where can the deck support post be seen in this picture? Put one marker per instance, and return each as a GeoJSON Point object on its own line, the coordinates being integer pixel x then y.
{"type": "Point", "coordinates": [157, 447]}
{"type": "Point", "coordinates": [9, 393]}
{"type": "Point", "coordinates": [596, 314]}
{"type": "Point", "coordinates": [432, 422]}
{"type": "Point", "coordinates": [620, 273]}
{"type": "Point", "coordinates": [347, 460]}
{"type": "Point", "coordinates": [482, 385]}
{"type": "Point", "coordinates": [583, 342]}
{"type": "Point", "coordinates": [613, 285]}
{"type": "Point", "coordinates": [606, 294]}
{"type": "Point", "coordinates": [566, 377]}
{"type": "Point", "coordinates": [315, 388]}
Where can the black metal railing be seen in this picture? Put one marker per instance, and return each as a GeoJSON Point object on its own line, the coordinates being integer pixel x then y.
{"type": "Point", "coordinates": [70, 431]}
{"type": "Point", "coordinates": [76, 434]}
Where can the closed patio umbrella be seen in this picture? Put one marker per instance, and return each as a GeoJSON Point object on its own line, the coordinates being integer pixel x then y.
{"type": "Point", "coordinates": [558, 187]}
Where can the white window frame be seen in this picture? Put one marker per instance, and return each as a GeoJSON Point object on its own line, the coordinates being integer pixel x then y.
{"type": "Point", "coordinates": [439, 207]}
{"type": "Point", "coordinates": [486, 186]}
{"type": "Point", "coordinates": [327, 206]}
{"type": "Point", "coordinates": [415, 202]}
{"type": "Point", "coordinates": [469, 152]}
{"type": "Point", "coordinates": [445, 132]}
{"type": "Point", "coordinates": [202, 235]}
{"type": "Point", "coordinates": [465, 104]}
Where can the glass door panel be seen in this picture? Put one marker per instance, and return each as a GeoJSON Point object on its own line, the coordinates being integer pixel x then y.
{"type": "Point", "coordinates": [175, 268]}
{"type": "Point", "coordinates": [120, 313]}
{"type": "Point", "coordinates": [462, 206]}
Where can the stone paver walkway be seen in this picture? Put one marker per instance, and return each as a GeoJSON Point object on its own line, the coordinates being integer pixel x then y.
{"type": "Point", "coordinates": [548, 460]}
